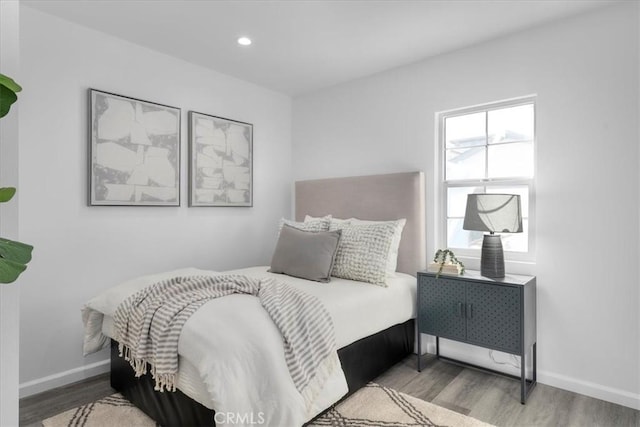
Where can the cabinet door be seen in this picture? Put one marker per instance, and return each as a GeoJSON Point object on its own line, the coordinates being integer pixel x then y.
{"type": "Point", "coordinates": [440, 307]}
{"type": "Point", "coordinates": [494, 318]}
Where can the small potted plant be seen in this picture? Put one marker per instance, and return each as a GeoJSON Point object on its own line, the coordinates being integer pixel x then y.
{"type": "Point", "coordinates": [445, 261]}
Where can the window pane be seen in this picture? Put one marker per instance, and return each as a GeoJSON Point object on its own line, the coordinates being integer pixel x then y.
{"type": "Point", "coordinates": [459, 238]}
{"type": "Point", "coordinates": [491, 143]}
{"type": "Point", "coordinates": [457, 200]}
{"type": "Point", "coordinates": [469, 130]}
{"type": "Point", "coordinates": [465, 163]}
{"type": "Point", "coordinates": [522, 190]}
{"type": "Point", "coordinates": [511, 160]}
{"type": "Point", "coordinates": [511, 124]}
{"type": "Point", "coordinates": [517, 242]}
{"type": "Point", "coordinates": [466, 239]}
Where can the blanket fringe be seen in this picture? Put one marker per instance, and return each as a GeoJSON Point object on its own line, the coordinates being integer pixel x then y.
{"type": "Point", "coordinates": [163, 382]}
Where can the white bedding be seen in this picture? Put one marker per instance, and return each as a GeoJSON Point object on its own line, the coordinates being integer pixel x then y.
{"type": "Point", "coordinates": [357, 310]}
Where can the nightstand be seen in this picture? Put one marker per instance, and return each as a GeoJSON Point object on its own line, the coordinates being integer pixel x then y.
{"type": "Point", "coordinates": [498, 314]}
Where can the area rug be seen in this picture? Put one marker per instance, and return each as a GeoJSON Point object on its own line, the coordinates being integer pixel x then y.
{"type": "Point", "coordinates": [375, 405]}
{"type": "Point", "coordinates": [371, 406]}
{"type": "Point", "coordinates": [112, 410]}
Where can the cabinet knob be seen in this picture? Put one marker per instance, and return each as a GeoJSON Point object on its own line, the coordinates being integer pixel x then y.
{"type": "Point", "coordinates": [469, 311]}
{"type": "Point", "coordinates": [460, 314]}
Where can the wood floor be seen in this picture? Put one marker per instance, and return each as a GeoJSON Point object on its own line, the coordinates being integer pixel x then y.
{"type": "Point", "coordinates": [490, 398]}
{"type": "Point", "coordinates": [496, 400]}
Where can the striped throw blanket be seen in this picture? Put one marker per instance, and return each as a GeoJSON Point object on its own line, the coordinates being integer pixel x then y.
{"type": "Point", "coordinates": [148, 326]}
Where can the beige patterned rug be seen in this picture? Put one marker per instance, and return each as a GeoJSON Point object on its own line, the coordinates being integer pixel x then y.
{"type": "Point", "coordinates": [371, 406]}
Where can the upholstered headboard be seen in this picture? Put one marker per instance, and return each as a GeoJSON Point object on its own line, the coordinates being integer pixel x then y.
{"type": "Point", "coordinates": [374, 197]}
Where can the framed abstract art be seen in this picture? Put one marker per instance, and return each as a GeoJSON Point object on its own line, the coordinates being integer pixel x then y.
{"type": "Point", "coordinates": [220, 161]}
{"type": "Point", "coordinates": [135, 152]}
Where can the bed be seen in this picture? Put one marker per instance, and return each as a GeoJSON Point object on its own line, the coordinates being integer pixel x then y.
{"type": "Point", "coordinates": [365, 349]}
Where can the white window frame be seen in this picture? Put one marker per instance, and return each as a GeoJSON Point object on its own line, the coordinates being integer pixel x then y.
{"type": "Point", "coordinates": [510, 256]}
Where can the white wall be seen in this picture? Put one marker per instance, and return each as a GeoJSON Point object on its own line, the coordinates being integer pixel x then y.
{"type": "Point", "coordinates": [81, 250]}
{"type": "Point", "coordinates": [9, 293]}
{"type": "Point", "coordinates": [584, 71]}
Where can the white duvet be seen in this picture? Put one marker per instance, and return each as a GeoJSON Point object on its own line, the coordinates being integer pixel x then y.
{"type": "Point", "coordinates": [231, 352]}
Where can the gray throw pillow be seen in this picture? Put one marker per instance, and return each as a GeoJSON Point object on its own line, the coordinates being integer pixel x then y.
{"type": "Point", "coordinates": [305, 254]}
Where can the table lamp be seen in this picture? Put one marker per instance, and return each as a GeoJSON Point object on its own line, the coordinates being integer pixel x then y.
{"type": "Point", "coordinates": [495, 213]}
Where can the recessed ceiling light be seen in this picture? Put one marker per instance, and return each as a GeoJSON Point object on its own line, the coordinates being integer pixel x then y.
{"type": "Point", "coordinates": [244, 41]}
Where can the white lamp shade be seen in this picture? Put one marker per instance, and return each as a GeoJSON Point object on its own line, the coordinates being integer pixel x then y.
{"type": "Point", "coordinates": [499, 213]}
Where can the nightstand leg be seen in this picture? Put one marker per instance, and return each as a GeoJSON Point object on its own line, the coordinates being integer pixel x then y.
{"type": "Point", "coordinates": [535, 367]}
{"type": "Point", "coordinates": [419, 350]}
{"type": "Point", "coordinates": [525, 388]}
{"type": "Point", "coordinates": [437, 346]}
{"type": "Point", "coordinates": [523, 379]}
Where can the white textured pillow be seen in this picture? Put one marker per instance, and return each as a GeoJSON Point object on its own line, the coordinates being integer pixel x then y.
{"type": "Point", "coordinates": [337, 222]}
{"type": "Point", "coordinates": [392, 259]}
{"type": "Point", "coordinates": [363, 252]}
{"type": "Point", "coordinates": [314, 224]}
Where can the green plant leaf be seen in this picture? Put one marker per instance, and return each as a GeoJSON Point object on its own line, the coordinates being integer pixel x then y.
{"type": "Point", "coordinates": [15, 251]}
{"type": "Point", "coordinates": [6, 193]}
{"type": "Point", "coordinates": [10, 270]}
{"type": "Point", "coordinates": [9, 83]}
{"type": "Point", "coordinates": [7, 97]}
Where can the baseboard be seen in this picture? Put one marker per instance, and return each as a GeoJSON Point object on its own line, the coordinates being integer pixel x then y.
{"type": "Point", "coordinates": [63, 378]}
{"type": "Point", "coordinates": [598, 391]}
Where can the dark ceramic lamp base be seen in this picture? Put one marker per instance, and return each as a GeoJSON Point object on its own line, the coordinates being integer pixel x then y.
{"type": "Point", "coordinates": [492, 261]}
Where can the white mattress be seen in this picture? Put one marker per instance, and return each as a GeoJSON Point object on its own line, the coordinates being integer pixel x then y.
{"type": "Point", "coordinates": [357, 309]}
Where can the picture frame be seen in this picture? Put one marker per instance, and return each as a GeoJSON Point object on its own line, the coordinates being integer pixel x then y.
{"type": "Point", "coordinates": [135, 151]}
{"type": "Point", "coordinates": [220, 161]}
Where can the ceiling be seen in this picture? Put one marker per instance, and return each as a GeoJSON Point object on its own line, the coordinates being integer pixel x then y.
{"type": "Point", "coordinates": [303, 46]}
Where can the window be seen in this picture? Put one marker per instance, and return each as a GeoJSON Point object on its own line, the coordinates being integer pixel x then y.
{"type": "Point", "coordinates": [488, 149]}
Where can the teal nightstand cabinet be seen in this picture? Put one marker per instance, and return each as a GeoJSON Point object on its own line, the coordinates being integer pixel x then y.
{"type": "Point", "coordinates": [498, 314]}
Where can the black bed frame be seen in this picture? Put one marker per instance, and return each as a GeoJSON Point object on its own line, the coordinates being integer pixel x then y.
{"type": "Point", "coordinates": [362, 361]}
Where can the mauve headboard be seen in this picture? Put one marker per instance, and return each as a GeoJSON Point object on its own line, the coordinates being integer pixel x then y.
{"type": "Point", "coordinates": [374, 197]}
